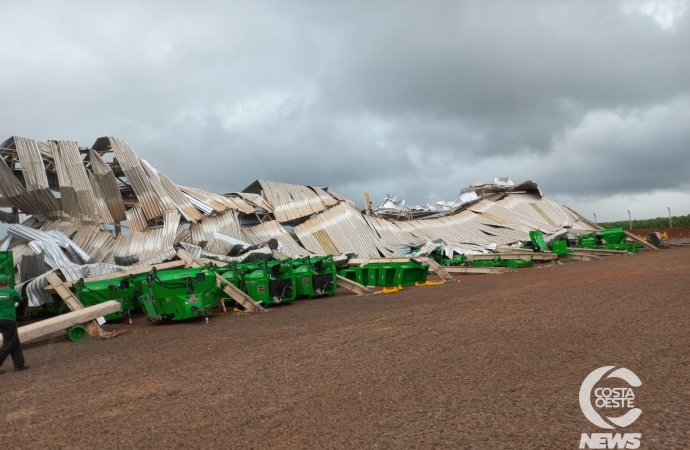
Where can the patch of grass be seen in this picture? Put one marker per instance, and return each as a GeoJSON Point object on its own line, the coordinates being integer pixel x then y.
{"type": "Point", "coordinates": [659, 222]}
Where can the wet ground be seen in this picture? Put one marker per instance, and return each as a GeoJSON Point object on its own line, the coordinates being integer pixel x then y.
{"type": "Point", "coordinates": [490, 362]}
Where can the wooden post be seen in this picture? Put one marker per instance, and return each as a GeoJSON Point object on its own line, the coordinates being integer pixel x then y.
{"type": "Point", "coordinates": [367, 204]}
{"type": "Point", "coordinates": [353, 286]}
{"type": "Point", "coordinates": [122, 273]}
{"type": "Point", "coordinates": [641, 241]}
{"type": "Point", "coordinates": [54, 324]}
{"type": "Point", "coordinates": [236, 294]}
{"type": "Point", "coordinates": [71, 301]}
{"type": "Point", "coordinates": [436, 267]}
{"type": "Point", "coordinates": [476, 270]}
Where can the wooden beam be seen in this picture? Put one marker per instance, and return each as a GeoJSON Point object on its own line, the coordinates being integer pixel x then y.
{"type": "Point", "coordinates": [236, 294]}
{"type": "Point", "coordinates": [598, 252]}
{"type": "Point", "coordinates": [361, 262]}
{"type": "Point", "coordinates": [71, 301]}
{"type": "Point", "coordinates": [122, 273]}
{"type": "Point", "coordinates": [353, 286]}
{"type": "Point", "coordinates": [641, 241]}
{"type": "Point", "coordinates": [47, 327]}
{"type": "Point", "coordinates": [279, 255]}
{"type": "Point", "coordinates": [476, 270]}
{"type": "Point", "coordinates": [436, 267]}
{"type": "Point", "coordinates": [579, 257]}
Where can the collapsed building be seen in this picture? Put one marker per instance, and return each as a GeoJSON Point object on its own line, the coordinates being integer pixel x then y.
{"type": "Point", "coordinates": [91, 211]}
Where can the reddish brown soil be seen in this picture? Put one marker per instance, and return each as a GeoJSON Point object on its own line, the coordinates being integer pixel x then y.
{"type": "Point", "coordinates": [491, 362]}
{"type": "Point", "coordinates": [683, 232]}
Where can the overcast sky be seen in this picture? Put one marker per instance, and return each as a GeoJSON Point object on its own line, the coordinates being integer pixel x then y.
{"type": "Point", "coordinates": [590, 99]}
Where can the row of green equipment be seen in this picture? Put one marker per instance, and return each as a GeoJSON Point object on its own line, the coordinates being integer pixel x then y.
{"type": "Point", "coordinates": [461, 260]}
{"type": "Point", "coordinates": [7, 267]}
{"type": "Point", "coordinates": [179, 294]}
{"type": "Point", "coordinates": [387, 274]}
{"type": "Point", "coordinates": [607, 239]}
{"type": "Point", "coordinates": [283, 281]}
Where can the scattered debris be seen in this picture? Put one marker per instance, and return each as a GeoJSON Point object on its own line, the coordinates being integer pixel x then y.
{"type": "Point", "coordinates": [100, 224]}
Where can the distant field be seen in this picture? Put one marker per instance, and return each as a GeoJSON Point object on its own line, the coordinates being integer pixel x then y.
{"type": "Point", "coordinates": [659, 222]}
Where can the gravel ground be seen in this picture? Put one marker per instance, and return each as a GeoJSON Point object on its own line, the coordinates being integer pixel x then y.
{"type": "Point", "coordinates": [490, 362]}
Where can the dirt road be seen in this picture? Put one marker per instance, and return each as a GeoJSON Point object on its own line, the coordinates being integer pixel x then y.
{"type": "Point", "coordinates": [491, 362]}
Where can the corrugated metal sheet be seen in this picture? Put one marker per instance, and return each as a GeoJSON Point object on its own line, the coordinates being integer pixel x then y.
{"type": "Point", "coordinates": [223, 223]}
{"type": "Point", "coordinates": [137, 178]}
{"type": "Point", "coordinates": [292, 201]}
{"type": "Point", "coordinates": [13, 191]}
{"type": "Point", "coordinates": [184, 205]}
{"type": "Point", "coordinates": [214, 203]}
{"type": "Point", "coordinates": [162, 196]}
{"type": "Point", "coordinates": [263, 253]}
{"type": "Point", "coordinates": [274, 230]}
{"type": "Point", "coordinates": [254, 200]}
{"type": "Point", "coordinates": [71, 172]}
{"type": "Point", "coordinates": [107, 188]}
{"type": "Point", "coordinates": [341, 229]}
{"type": "Point", "coordinates": [35, 176]}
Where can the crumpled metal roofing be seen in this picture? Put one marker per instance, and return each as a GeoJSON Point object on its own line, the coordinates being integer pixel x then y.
{"type": "Point", "coordinates": [291, 201]}
{"type": "Point", "coordinates": [274, 230]}
{"type": "Point", "coordinates": [341, 229]}
{"type": "Point", "coordinates": [69, 231]}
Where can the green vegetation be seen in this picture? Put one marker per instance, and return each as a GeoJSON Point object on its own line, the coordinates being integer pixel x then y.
{"type": "Point", "coordinates": [659, 222]}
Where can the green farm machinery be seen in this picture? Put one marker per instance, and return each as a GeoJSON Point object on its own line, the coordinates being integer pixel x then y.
{"type": "Point", "coordinates": [607, 239]}
{"type": "Point", "coordinates": [314, 276]}
{"type": "Point", "coordinates": [269, 282]}
{"type": "Point", "coordinates": [178, 294]}
{"type": "Point", "coordinates": [387, 274]}
{"type": "Point", "coordinates": [123, 289]}
{"type": "Point", "coordinates": [7, 267]}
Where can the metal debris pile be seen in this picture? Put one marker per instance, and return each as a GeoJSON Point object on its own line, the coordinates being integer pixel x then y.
{"type": "Point", "coordinates": [87, 212]}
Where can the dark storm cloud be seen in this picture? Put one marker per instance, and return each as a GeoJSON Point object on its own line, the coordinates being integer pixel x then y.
{"type": "Point", "coordinates": [413, 98]}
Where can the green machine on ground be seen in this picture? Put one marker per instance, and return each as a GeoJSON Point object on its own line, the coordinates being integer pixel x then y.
{"type": "Point", "coordinates": [269, 282]}
{"type": "Point", "coordinates": [611, 239]}
{"type": "Point", "coordinates": [7, 267]}
{"type": "Point", "coordinates": [387, 274]}
{"type": "Point", "coordinates": [461, 260]}
{"type": "Point", "coordinates": [232, 274]}
{"type": "Point", "coordinates": [366, 275]}
{"type": "Point", "coordinates": [123, 289]}
{"type": "Point", "coordinates": [314, 276]}
{"type": "Point", "coordinates": [440, 258]}
{"type": "Point", "coordinates": [178, 294]}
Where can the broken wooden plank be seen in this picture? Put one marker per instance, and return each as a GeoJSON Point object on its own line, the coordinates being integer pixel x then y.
{"type": "Point", "coordinates": [476, 270]}
{"type": "Point", "coordinates": [353, 286]}
{"type": "Point", "coordinates": [598, 252]}
{"type": "Point", "coordinates": [641, 241]}
{"type": "Point", "coordinates": [54, 324]}
{"type": "Point", "coordinates": [236, 294]}
{"type": "Point", "coordinates": [71, 301]}
{"type": "Point", "coordinates": [436, 267]}
{"type": "Point", "coordinates": [122, 273]}
{"type": "Point", "coordinates": [361, 262]}
{"type": "Point", "coordinates": [578, 257]}
{"type": "Point", "coordinates": [279, 255]}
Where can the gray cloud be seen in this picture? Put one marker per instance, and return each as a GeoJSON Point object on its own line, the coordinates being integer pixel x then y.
{"type": "Point", "coordinates": [588, 99]}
